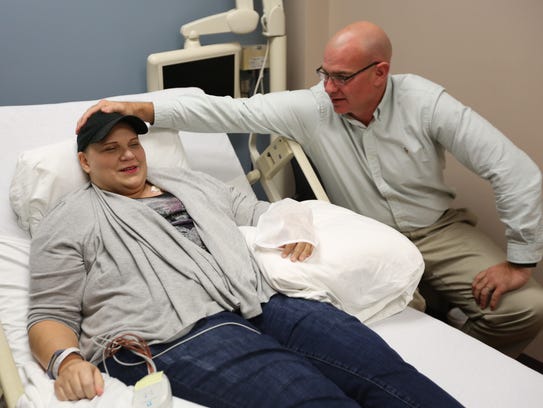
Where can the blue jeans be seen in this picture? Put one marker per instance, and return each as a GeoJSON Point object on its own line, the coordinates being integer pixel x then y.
{"type": "Point", "coordinates": [296, 353]}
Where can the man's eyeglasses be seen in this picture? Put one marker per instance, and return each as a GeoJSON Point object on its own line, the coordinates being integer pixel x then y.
{"type": "Point", "coordinates": [340, 79]}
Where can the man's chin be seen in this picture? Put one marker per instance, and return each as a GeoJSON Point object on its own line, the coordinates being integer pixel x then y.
{"type": "Point", "coordinates": [340, 106]}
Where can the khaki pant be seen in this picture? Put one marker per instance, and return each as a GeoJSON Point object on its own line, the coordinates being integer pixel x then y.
{"type": "Point", "coordinates": [455, 252]}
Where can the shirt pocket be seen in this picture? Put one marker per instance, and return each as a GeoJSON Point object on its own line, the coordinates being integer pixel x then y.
{"type": "Point", "coordinates": [412, 151]}
{"type": "Point", "coordinates": [406, 162]}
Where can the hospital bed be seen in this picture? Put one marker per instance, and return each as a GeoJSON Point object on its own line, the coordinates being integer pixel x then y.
{"type": "Point", "coordinates": [475, 374]}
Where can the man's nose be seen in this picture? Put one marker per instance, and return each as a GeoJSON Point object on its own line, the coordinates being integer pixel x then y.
{"type": "Point", "coordinates": [330, 86]}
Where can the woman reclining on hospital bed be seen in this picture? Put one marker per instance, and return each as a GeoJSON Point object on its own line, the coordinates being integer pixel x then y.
{"type": "Point", "coordinates": [142, 264]}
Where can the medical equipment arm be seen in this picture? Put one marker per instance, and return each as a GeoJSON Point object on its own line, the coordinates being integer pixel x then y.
{"type": "Point", "coordinates": [270, 170]}
{"type": "Point", "coordinates": [240, 20]}
{"type": "Point", "coordinates": [271, 167]}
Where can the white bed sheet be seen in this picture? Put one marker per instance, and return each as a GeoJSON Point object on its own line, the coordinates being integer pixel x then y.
{"type": "Point", "coordinates": [475, 374]}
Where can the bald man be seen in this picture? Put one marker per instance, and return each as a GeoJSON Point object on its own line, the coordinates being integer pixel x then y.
{"type": "Point", "coordinates": [378, 142]}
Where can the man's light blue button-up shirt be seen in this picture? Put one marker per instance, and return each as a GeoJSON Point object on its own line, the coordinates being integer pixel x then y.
{"type": "Point", "coordinates": [392, 169]}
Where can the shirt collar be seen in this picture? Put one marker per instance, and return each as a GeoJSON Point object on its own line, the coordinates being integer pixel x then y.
{"type": "Point", "coordinates": [384, 105]}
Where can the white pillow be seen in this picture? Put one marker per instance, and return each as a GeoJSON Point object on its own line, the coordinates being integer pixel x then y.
{"type": "Point", "coordinates": [44, 175]}
{"type": "Point", "coordinates": [360, 265]}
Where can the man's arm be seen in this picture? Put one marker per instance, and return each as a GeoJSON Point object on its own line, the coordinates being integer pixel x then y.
{"type": "Point", "coordinates": [515, 179]}
{"type": "Point", "coordinates": [293, 114]}
{"type": "Point", "coordinates": [516, 182]}
{"type": "Point", "coordinates": [77, 378]}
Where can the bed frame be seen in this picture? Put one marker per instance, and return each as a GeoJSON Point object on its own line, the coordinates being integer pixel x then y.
{"type": "Point", "coordinates": [475, 374]}
{"type": "Point", "coordinates": [11, 386]}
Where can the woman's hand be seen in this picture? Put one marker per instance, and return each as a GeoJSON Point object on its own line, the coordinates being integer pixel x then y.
{"type": "Point", "coordinates": [298, 251]}
{"type": "Point", "coordinates": [78, 379]}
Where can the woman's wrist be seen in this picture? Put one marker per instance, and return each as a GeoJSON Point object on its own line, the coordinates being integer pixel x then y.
{"type": "Point", "coordinates": [68, 360]}
{"type": "Point", "coordinates": [60, 357]}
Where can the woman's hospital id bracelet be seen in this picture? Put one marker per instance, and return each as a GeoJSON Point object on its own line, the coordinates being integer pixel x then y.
{"type": "Point", "coordinates": [58, 357]}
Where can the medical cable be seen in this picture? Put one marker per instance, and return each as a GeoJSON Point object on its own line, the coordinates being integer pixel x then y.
{"type": "Point", "coordinates": [139, 347]}
{"type": "Point", "coordinates": [134, 343]}
{"type": "Point", "coordinates": [259, 80]}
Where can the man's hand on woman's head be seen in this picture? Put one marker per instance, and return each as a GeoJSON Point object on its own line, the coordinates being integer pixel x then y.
{"type": "Point", "coordinates": [144, 110]}
{"type": "Point", "coordinates": [105, 106]}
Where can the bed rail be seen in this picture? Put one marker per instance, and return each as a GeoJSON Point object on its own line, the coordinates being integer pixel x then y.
{"type": "Point", "coordinates": [274, 161]}
{"type": "Point", "coordinates": [11, 386]}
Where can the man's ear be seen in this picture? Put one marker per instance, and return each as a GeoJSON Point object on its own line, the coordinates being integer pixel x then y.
{"type": "Point", "coordinates": [381, 72]}
{"type": "Point", "coordinates": [83, 162]}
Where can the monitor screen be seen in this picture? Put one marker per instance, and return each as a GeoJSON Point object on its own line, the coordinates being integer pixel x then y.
{"type": "Point", "coordinates": [213, 68]}
{"type": "Point", "coordinates": [214, 75]}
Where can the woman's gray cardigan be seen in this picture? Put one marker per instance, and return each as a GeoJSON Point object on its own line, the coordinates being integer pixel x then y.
{"type": "Point", "coordinates": [105, 264]}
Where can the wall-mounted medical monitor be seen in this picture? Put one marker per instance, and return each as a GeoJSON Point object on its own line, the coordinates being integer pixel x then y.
{"type": "Point", "coordinates": [213, 68]}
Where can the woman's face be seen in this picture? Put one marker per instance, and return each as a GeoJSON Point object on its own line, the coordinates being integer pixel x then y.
{"type": "Point", "coordinates": [117, 163]}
